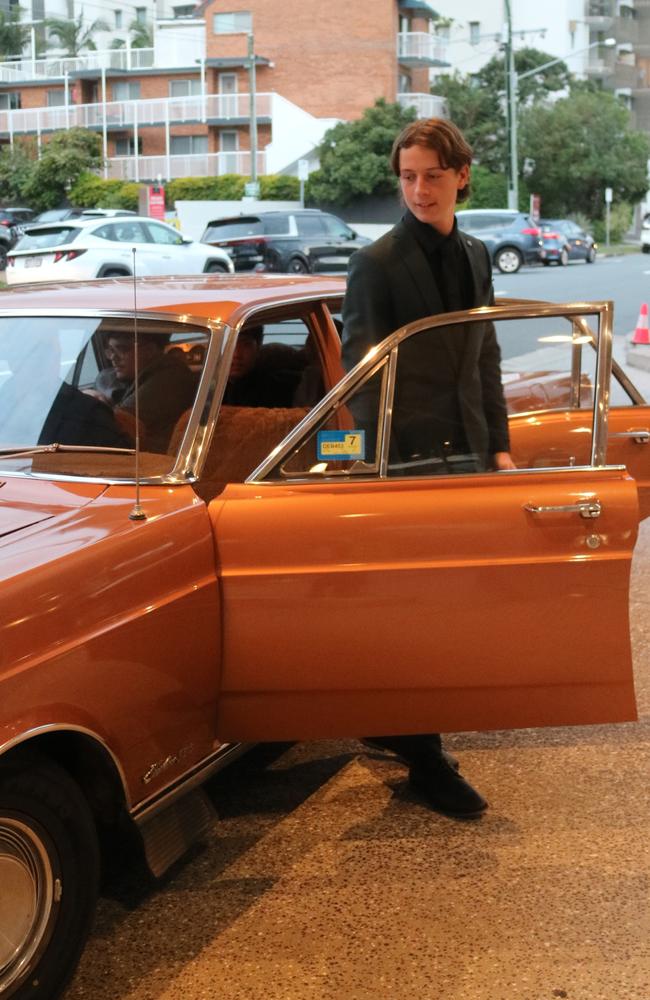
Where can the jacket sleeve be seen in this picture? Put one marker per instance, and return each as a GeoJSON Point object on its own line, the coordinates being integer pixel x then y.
{"type": "Point", "coordinates": [367, 308]}
{"type": "Point", "coordinates": [494, 404]}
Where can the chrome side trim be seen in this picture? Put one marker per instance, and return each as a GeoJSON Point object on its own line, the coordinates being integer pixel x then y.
{"type": "Point", "coordinates": [602, 387]}
{"type": "Point", "coordinates": [31, 734]}
{"type": "Point", "coordinates": [196, 776]}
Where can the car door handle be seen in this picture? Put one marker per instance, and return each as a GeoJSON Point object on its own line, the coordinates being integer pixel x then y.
{"type": "Point", "coordinates": [585, 508]}
{"type": "Point", "coordinates": [642, 436]}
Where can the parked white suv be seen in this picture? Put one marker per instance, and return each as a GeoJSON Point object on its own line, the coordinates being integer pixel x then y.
{"type": "Point", "coordinates": [75, 249]}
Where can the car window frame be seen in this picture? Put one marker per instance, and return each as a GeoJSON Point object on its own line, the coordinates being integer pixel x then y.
{"type": "Point", "coordinates": [386, 352]}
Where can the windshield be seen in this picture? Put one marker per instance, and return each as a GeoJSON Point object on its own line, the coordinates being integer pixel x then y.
{"type": "Point", "coordinates": [71, 381]}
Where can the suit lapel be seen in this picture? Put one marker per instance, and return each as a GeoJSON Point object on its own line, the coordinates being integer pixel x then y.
{"type": "Point", "coordinates": [415, 266]}
{"type": "Point", "coordinates": [477, 267]}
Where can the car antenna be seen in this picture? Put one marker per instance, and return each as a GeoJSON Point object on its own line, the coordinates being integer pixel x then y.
{"type": "Point", "coordinates": [137, 512]}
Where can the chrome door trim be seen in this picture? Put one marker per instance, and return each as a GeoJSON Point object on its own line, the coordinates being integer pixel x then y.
{"type": "Point", "coordinates": [518, 310]}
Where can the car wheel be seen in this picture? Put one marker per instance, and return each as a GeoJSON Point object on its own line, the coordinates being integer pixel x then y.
{"type": "Point", "coordinates": [508, 260]}
{"type": "Point", "coordinates": [298, 266]}
{"type": "Point", "coordinates": [591, 255]}
{"type": "Point", "coordinates": [49, 873]}
{"type": "Point", "coordinates": [214, 267]}
{"type": "Point", "coordinates": [3, 259]}
{"type": "Point", "coordinates": [563, 259]}
{"type": "Point", "coordinates": [114, 272]}
{"type": "Point", "coordinates": [546, 263]}
{"type": "Point", "coordinates": [645, 248]}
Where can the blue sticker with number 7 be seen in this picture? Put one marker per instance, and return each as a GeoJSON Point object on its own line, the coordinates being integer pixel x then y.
{"type": "Point", "coordinates": [339, 446]}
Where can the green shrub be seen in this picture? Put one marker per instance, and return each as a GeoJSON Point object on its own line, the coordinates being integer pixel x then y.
{"type": "Point", "coordinates": [488, 190]}
{"type": "Point", "coordinates": [620, 220]}
{"type": "Point", "coordinates": [279, 187]}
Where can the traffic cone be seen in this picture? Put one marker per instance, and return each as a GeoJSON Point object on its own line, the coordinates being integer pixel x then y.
{"type": "Point", "coordinates": [641, 333]}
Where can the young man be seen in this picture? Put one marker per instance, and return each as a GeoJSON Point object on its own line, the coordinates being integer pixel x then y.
{"type": "Point", "coordinates": [425, 266]}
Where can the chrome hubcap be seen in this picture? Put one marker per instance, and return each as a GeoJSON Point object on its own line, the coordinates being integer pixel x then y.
{"type": "Point", "coordinates": [508, 262]}
{"type": "Point", "coordinates": [29, 891]}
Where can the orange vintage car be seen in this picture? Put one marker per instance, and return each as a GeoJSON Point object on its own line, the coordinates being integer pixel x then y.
{"type": "Point", "coordinates": [208, 562]}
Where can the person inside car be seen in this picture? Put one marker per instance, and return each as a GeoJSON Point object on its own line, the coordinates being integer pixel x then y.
{"type": "Point", "coordinates": [166, 386]}
{"type": "Point", "coordinates": [262, 376]}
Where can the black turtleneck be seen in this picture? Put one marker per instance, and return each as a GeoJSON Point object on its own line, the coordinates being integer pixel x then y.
{"type": "Point", "coordinates": [448, 262]}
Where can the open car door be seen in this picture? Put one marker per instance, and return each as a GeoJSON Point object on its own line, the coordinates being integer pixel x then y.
{"type": "Point", "coordinates": [367, 594]}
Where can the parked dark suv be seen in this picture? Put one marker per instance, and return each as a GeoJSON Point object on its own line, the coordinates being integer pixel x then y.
{"type": "Point", "coordinates": [298, 242]}
{"type": "Point", "coordinates": [511, 237]}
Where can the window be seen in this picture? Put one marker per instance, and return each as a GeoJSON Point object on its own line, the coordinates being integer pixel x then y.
{"type": "Point", "coordinates": [474, 32]}
{"type": "Point", "coordinates": [310, 225]}
{"type": "Point", "coordinates": [161, 234]}
{"type": "Point", "coordinates": [55, 98]}
{"type": "Point", "coordinates": [187, 10]}
{"type": "Point", "coordinates": [335, 227]}
{"type": "Point", "coordinates": [129, 232]}
{"type": "Point", "coordinates": [118, 18]}
{"type": "Point", "coordinates": [126, 147]}
{"type": "Point", "coordinates": [188, 145]}
{"type": "Point", "coordinates": [185, 88]}
{"type": "Point", "coordinates": [233, 23]}
{"type": "Point", "coordinates": [10, 101]}
{"type": "Point", "coordinates": [126, 90]}
{"type": "Point", "coordinates": [141, 15]}
{"type": "Point", "coordinates": [228, 141]}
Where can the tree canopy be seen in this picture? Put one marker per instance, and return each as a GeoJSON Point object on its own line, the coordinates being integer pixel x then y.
{"type": "Point", "coordinates": [73, 35]}
{"type": "Point", "coordinates": [63, 159]}
{"type": "Point", "coordinates": [579, 146]}
{"type": "Point", "coordinates": [354, 156]}
{"type": "Point", "coordinates": [477, 104]}
{"type": "Point", "coordinates": [14, 36]}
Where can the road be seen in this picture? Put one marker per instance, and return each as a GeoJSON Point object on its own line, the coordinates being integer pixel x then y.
{"type": "Point", "coordinates": [625, 279]}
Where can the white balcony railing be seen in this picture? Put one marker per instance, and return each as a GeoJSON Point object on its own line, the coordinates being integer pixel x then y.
{"type": "Point", "coordinates": [426, 105]}
{"type": "Point", "coordinates": [48, 68]}
{"type": "Point", "coordinates": [421, 46]}
{"type": "Point", "coordinates": [134, 114]}
{"type": "Point", "coordinates": [149, 168]}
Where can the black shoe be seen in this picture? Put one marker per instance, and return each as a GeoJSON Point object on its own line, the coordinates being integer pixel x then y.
{"type": "Point", "coordinates": [446, 790]}
{"type": "Point", "coordinates": [392, 744]}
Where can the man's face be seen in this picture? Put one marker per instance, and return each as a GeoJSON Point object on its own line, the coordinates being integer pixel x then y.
{"type": "Point", "coordinates": [429, 190]}
{"type": "Point", "coordinates": [120, 351]}
{"type": "Point", "coordinates": [245, 356]}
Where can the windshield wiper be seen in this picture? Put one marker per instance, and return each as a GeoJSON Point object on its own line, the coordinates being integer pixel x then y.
{"type": "Point", "coordinates": [39, 449]}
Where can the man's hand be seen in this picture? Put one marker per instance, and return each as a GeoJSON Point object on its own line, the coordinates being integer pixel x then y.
{"type": "Point", "coordinates": [502, 460]}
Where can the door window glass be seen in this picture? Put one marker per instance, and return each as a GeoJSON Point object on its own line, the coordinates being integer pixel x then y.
{"type": "Point", "coordinates": [337, 228]}
{"type": "Point", "coordinates": [161, 234]}
{"type": "Point", "coordinates": [310, 225]}
{"type": "Point", "coordinates": [129, 232]}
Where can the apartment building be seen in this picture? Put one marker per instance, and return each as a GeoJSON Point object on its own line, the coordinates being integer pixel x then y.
{"type": "Point", "coordinates": [567, 29]}
{"type": "Point", "coordinates": [218, 75]}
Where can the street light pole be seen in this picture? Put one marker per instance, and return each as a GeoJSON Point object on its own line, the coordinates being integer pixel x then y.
{"type": "Point", "coordinates": [513, 92]}
{"type": "Point", "coordinates": [252, 106]}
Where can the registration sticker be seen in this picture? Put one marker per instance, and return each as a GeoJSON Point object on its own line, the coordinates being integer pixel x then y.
{"type": "Point", "coordinates": [341, 445]}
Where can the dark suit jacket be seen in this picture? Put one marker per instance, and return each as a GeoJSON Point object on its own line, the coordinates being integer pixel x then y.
{"type": "Point", "coordinates": [390, 284]}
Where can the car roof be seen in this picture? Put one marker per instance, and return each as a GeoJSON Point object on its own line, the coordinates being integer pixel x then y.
{"type": "Point", "coordinates": [85, 222]}
{"type": "Point", "coordinates": [215, 297]}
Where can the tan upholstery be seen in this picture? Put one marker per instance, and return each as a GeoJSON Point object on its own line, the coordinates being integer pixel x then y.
{"type": "Point", "coordinates": [244, 435]}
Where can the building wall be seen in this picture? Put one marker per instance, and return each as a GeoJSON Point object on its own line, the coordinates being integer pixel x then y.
{"type": "Point", "coordinates": [334, 60]}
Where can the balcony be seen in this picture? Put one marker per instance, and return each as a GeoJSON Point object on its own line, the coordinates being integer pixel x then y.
{"type": "Point", "coordinates": [426, 105]}
{"type": "Point", "coordinates": [150, 168]}
{"type": "Point", "coordinates": [598, 69]}
{"type": "Point", "coordinates": [212, 109]}
{"type": "Point", "coordinates": [418, 48]}
{"type": "Point", "coordinates": [21, 70]}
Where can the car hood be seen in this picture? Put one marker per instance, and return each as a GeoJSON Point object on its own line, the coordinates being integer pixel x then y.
{"type": "Point", "coordinates": [26, 502]}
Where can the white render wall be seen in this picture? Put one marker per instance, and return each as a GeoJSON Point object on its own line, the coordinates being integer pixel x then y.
{"type": "Point", "coordinates": [545, 26]}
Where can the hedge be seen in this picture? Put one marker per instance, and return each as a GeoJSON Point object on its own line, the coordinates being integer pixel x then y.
{"type": "Point", "coordinates": [91, 191]}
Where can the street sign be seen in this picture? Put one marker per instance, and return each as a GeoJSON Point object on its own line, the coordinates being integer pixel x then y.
{"type": "Point", "coordinates": [608, 195]}
{"type": "Point", "coordinates": [252, 189]}
{"type": "Point", "coordinates": [303, 170]}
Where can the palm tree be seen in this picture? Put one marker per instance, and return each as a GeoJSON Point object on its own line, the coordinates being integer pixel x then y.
{"type": "Point", "coordinates": [141, 35]}
{"type": "Point", "coordinates": [14, 36]}
{"type": "Point", "coordinates": [73, 35]}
